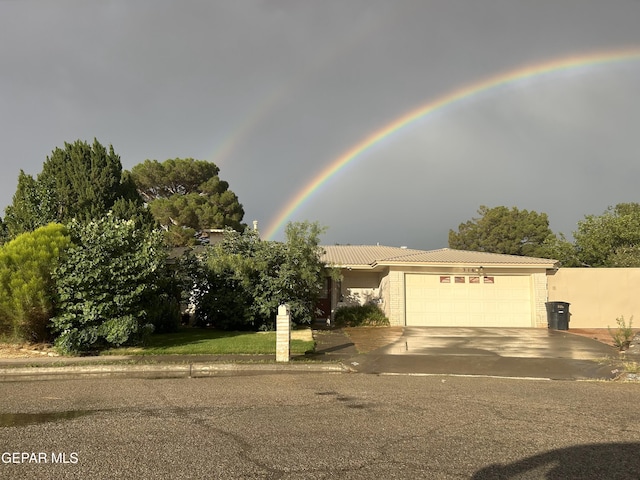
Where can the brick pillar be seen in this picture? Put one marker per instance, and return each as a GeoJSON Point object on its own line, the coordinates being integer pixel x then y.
{"type": "Point", "coordinates": [283, 334]}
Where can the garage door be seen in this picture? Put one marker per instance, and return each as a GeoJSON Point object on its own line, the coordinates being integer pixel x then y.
{"type": "Point", "coordinates": [468, 301]}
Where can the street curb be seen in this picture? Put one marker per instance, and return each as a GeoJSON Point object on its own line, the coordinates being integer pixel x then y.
{"type": "Point", "coordinates": [191, 370]}
{"type": "Point", "coordinates": [461, 375]}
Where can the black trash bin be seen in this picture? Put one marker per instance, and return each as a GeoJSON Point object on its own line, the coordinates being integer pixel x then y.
{"type": "Point", "coordinates": [558, 315]}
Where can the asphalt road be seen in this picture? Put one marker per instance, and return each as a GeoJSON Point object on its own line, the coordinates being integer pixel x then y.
{"type": "Point", "coordinates": [319, 426]}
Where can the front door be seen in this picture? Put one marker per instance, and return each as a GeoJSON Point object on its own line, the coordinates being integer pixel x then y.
{"type": "Point", "coordinates": [323, 306]}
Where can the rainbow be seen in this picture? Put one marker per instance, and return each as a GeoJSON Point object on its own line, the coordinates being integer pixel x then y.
{"type": "Point", "coordinates": [340, 47]}
{"type": "Point", "coordinates": [452, 98]}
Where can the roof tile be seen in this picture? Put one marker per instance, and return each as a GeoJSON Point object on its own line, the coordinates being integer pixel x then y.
{"type": "Point", "coordinates": [347, 255]}
{"type": "Point", "coordinates": [369, 255]}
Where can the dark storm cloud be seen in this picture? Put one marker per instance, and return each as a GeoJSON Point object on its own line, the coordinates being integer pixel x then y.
{"type": "Point", "coordinates": [274, 91]}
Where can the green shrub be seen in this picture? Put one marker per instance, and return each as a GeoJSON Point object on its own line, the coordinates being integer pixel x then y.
{"type": "Point", "coordinates": [244, 279]}
{"type": "Point", "coordinates": [27, 290]}
{"type": "Point", "coordinates": [163, 300]}
{"type": "Point", "coordinates": [108, 285]}
{"type": "Point", "coordinates": [360, 316]}
{"type": "Point", "coordinates": [224, 304]}
{"type": "Point", "coordinates": [623, 335]}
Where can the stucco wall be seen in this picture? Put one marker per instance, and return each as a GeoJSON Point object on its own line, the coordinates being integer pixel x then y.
{"type": "Point", "coordinates": [597, 295]}
{"type": "Point", "coordinates": [359, 288]}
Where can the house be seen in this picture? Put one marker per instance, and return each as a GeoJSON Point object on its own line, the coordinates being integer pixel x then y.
{"type": "Point", "coordinates": [442, 287]}
{"type": "Point", "coordinates": [211, 236]}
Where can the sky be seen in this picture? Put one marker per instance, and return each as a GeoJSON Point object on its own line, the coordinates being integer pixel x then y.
{"type": "Point", "coordinates": [424, 109]}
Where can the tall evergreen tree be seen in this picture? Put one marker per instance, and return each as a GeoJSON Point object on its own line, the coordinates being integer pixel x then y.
{"type": "Point", "coordinates": [86, 180]}
{"type": "Point", "coordinates": [30, 207]}
{"type": "Point", "coordinates": [187, 196]}
{"type": "Point", "coordinates": [4, 234]}
{"type": "Point", "coordinates": [78, 181]}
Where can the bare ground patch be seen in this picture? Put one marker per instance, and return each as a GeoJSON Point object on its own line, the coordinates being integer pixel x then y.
{"type": "Point", "coordinates": [15, 350]}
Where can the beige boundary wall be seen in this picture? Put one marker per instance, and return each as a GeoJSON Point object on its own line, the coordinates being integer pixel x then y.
{"type": "Point", "coordinates": [597, 295]}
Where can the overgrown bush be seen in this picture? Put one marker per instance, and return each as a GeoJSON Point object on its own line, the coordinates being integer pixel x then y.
{"type": "Point", "coordinates": [163, 304]}
{"type": "Point", "coordinates": [622, 335]}
{"type": "Point", "coordinates": [27, 289]}
{"type": "Point", "coordinates": [222, 280]}
{"type": "Point", "coordinates": [369, 315]}
{"type": "Point", "coordinates": [108, 285]}
{"type": "Point", "coordinates": [224, 304]}
{"type": "Point", "coordinates": [244, 279]}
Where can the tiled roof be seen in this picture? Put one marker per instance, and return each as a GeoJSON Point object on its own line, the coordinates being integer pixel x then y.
{"type": "Point", "coordinates": [367, 255]}
{"type": "Point", "coordinates": [352, 255]}
{"type": "Point", "coordinates": [447, 255]}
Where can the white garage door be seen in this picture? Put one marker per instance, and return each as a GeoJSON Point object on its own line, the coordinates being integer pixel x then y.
{"type": "Point", "coordinates": [468, 301]}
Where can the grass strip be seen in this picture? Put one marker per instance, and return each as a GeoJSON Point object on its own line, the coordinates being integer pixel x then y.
{"type": "Point", "coordinates": [193, 341]}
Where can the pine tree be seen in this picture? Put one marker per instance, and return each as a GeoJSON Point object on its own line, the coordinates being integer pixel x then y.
{"type": "Point", "coordinates": [187, 196]}
{"type": "Point", "coordinates": [79, 181]}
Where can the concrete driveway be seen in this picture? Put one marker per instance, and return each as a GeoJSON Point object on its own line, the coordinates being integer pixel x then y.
{"type": "Point", "coordinates": [508, 352]}
{"type": "Point", "coordinates": [503, 342]}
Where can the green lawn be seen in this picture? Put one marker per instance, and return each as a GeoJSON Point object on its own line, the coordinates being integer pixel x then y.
{"type": "Point", "coordinates": [193, 341]}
